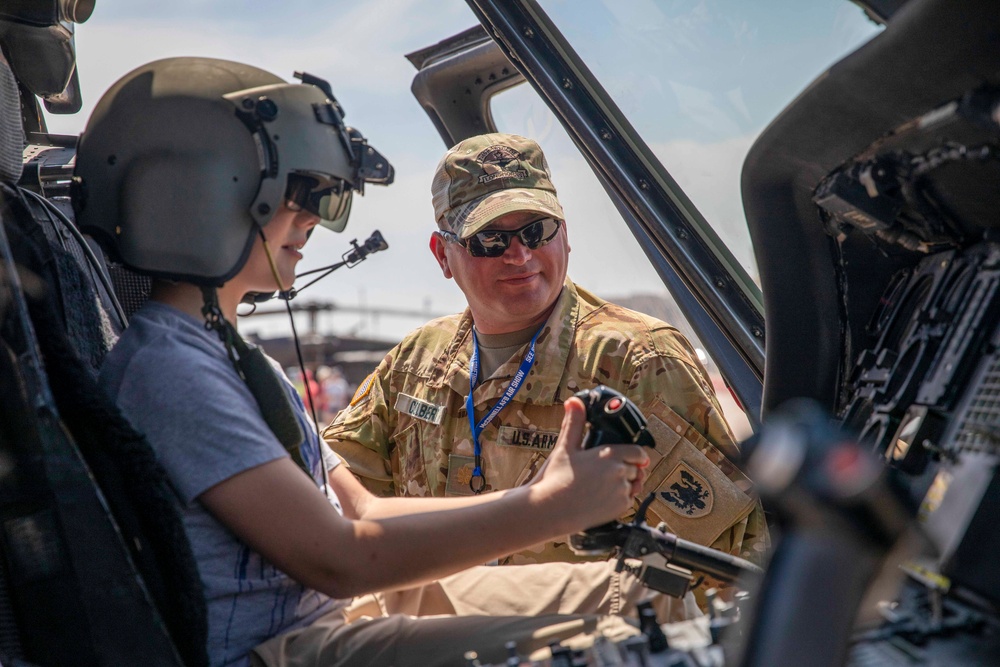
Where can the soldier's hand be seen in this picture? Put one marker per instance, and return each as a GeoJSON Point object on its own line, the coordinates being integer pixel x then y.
{"type": "Point", "coordinates": [595, 485]}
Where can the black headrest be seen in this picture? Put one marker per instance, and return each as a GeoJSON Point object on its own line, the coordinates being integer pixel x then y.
{"type": "Point", "coordinates": [11, 131]}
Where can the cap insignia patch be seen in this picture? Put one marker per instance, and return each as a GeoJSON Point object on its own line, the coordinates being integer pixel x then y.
{"type": "Point", "coordinates": [500, 162]}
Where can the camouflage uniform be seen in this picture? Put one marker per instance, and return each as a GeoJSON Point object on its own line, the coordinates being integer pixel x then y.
{"type": "Point", "coordinates": [406, 430]}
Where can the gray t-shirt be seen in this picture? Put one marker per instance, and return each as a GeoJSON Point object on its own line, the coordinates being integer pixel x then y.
{"type": "Point", "coordinates": [175, 383]}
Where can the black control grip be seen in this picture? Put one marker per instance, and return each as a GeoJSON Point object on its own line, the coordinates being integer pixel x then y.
{"type": "Point", "coordinates": [613, 419]}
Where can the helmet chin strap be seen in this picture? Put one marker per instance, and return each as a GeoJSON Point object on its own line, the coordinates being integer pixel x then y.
{"type": "Point", "coordinates": [270, 260]}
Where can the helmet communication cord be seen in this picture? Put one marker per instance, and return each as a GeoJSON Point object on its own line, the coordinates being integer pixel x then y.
{"type": "Point", "coordinates": [291, 320]}
{"type": "Point", "coordinates": [307, 390]}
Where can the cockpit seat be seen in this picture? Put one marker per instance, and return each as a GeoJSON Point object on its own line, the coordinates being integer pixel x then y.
{"type": "Point", "coordinates": [96, 568]}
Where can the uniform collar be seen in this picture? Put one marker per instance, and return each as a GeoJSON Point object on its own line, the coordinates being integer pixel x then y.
{"type": "Point", "coordinates": [552, 350]}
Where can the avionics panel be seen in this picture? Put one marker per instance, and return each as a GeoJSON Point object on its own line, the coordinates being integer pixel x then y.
{"type": "Point", "coordinates": [926, 396]}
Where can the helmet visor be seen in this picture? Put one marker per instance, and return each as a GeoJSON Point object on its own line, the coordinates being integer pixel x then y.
{"type": "Point", "coordinates": [331, 202]}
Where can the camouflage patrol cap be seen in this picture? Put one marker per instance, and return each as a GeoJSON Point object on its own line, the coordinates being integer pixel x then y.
{"type": "Point", "coordinates": [490, 175]}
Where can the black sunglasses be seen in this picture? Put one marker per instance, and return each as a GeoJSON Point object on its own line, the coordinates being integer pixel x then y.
{"type": "Point", "coordinates": [494, 242]}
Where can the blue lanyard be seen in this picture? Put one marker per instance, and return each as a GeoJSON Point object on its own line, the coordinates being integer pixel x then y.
{"type": "Point", "coordinates": [477, 428]}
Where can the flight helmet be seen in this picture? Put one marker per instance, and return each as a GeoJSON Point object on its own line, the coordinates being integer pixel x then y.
{"type": "Point", "coordinates": [184, 160]}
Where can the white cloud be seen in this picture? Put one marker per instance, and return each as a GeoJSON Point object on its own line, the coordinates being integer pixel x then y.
{"type": "Point", "coordinates": [709, 173]}
{"type": "Point", "coordinates": [360, 49]}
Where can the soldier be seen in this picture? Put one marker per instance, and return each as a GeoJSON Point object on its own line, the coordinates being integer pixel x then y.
{"type": "Point", "coordinates": [211, 176]}
{"type": "Point", "coordinates": [472, 402]}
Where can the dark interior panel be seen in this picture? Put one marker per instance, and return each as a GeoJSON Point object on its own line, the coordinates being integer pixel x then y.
{"type": "Point", "coordinates": [931, 53]}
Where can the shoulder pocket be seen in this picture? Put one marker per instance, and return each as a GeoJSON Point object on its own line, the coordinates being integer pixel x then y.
{"type": "Point", "coordinates": [698, 492]}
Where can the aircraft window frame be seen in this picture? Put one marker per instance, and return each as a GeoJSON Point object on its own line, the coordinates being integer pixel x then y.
{"type": "Point", "coordinates": [720, 301]}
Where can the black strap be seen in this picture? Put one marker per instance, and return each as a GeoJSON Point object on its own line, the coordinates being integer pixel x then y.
{"type": "Point", "coordinates": [265, 385]}
{"type": "Point", "coordinates": [272, 398]}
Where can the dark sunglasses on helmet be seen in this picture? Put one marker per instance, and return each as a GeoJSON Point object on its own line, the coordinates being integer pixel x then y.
{"type": "Point", "coordinates": [494, 242]}
{"type": "Point", "coordinates": [332, 204]}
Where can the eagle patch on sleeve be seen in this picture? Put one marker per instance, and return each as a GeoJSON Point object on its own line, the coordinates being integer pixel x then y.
{"type": "Point", "coordinates": [686, 492]}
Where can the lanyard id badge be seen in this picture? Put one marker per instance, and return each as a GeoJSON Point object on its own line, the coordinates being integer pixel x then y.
{"type": "Point", "coordinates": [478, 481]}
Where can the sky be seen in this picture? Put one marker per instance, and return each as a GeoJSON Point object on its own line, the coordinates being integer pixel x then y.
{"type": "Point", "coordinates": [712, 73]}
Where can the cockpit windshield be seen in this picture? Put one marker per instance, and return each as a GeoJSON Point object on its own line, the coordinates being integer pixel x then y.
{"type": "Point", "coordinates": [700, 79]}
